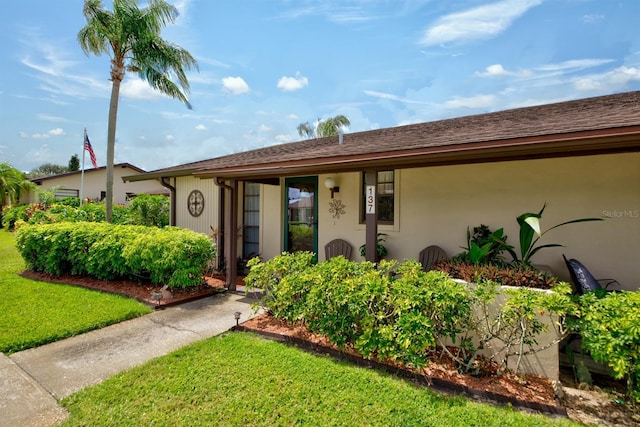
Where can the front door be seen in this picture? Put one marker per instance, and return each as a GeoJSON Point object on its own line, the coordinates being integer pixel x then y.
{"type": "Point", "coordinates": [301, 222]}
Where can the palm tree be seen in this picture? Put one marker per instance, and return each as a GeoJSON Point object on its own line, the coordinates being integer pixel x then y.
{"type": "Point", "coordinates": [328, 127]}
{"type": "Point", "coordinates": [12, 183]}
{"type": "Point", "coordinates": [131, 37]}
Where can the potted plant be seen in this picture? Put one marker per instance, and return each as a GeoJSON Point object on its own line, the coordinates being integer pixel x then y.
{"type": "Point", "coordinates": [381, 250]}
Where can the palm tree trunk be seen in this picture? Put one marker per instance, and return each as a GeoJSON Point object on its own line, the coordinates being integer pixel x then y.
{"type": "Point", "coordinates": [111, 144]}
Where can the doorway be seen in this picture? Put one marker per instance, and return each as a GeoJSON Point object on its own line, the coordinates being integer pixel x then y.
{"type": "Point", "coordinates": [301, 221]}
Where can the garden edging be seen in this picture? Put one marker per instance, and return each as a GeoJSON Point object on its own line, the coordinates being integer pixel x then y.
{"type": "Point", "coordinates": [436, 384]}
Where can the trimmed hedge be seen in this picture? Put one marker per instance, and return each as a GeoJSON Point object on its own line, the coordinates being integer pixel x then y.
{"type": "Point", "coordinates": [401, 313]}
{"type": "Point", "coordinates": [172, 256]}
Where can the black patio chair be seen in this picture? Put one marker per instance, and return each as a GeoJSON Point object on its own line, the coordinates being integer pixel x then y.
{"type": "Point", "coordinates": [583, 280]}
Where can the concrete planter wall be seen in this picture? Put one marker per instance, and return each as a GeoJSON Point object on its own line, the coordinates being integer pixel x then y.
{"type": "Point", "coordinates": [543, 362]}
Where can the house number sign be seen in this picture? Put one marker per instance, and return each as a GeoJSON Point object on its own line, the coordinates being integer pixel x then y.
{"type": "Point", "coordinates": [370, 192]}
{"type": "Point", "coordinates": [195, 203]}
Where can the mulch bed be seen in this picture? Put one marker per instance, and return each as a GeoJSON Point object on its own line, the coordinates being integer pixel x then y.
{"type": "Point", "coordinates": [528, 392]}
{"type": "Point", "coordinates": [140, 291]}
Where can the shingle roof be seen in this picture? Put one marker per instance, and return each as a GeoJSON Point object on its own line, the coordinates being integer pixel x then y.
{"type": "Point", "coordinates": [90, 170]}
{"type": "Point", "coordinates": [568, 125]}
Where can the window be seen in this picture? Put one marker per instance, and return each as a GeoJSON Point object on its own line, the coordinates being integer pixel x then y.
{"type": "Point", "coordinates": [251, 220]}
{"type": "Point", "coordinates": [385, 197]}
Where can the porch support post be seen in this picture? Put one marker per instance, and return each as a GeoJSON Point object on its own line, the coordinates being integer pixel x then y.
{"type": "Point", "coordinates": [371, 223]}
{"type": "Point", "coordinates": [172, 198]}
{"type": "Point", "coordinates": [231, 235]}
{"type": "Point", "coordinates": [220, 254]}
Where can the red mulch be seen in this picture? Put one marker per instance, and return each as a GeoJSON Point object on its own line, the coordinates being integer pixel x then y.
{"type": "Point", "coordinates": [140, 291]}
{"type": "Point", "coordinates": [533, 391]}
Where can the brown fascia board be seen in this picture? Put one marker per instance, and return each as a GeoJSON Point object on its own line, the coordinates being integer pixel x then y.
{"type": "Point", "coordinates": [575, 144]}
{"type": "Point", "coordinates": [158, 175]}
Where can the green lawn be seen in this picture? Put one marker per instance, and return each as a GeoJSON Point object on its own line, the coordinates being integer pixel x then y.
{"type": "Point", "coordinates": [33, 313]}
{"type": "Point", "coordinates": [238, 379]}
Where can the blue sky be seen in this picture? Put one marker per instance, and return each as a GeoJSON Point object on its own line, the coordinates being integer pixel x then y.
{"type": "Point", "coordinates": [268, 65]}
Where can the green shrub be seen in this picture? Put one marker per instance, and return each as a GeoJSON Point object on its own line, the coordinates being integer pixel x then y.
{"type": "Point", "coordinates": [13, 214]}
{"type": "Point", "coordinates": [402, 313]}
{"type": "Point", "coordinates": [143, 210]}
{"type": "Point", "coordinates": [268, 275]}
{"type": "Point", "coordinates": [150, 210]}
{"type": "Point", "coordinates": [610, 327]}
{"type": "Point", "coordinates": [171, 256]}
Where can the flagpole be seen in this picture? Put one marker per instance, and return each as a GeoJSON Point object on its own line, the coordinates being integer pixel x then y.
{"type": "Point", "coordinates": [82, 173]}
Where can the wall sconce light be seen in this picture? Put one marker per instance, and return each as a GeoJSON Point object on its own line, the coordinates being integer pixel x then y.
{"type": "Point", "coordinates": [330, 183]}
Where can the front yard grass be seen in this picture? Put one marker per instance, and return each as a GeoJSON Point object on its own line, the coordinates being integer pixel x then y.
{"type": "Point", "coordinates": [239, 379]}
{"type": "Point", "coordinates": [34, 313]}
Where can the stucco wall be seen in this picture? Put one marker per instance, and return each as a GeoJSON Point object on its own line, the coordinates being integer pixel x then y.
{"type": "Point", "coordinates": [436, 205]}
{"type": "Point", "coordinates": [95, 182]}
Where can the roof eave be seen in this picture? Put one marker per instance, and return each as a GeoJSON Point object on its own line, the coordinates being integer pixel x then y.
{"type": "Point", "coordinates": [158, 175]}
{"type": "Point", "coordinates": [575, 144]}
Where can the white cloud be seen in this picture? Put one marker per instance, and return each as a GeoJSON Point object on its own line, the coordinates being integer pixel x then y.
{"type": "Point", "coordinates": [478, 101]}
{"type": "Point", "coordinates": [497, 70]}
{"type": "Point", "coordinates": [293, 117]}
{"type": "Point", "coordinates": [136, 88]}
{"type": "Point", "coordinates": [51, 118]}
{"type": "Point", "coordinates": [170, 138]}
{"type": "Point", "coordinates": [586, 84]}
{"type": "Point", "coordinates": [284, 138]}
{"type": "Point", "coordinates": [615, 79]}
{"type": "Point", "coordinates": [478, 23]}
{"type": "Point", "coordinates": [52, 132]}
{"type": "Point", "coordinates": [265, 128]}
{"type": "Point", "coordinates": [391, 97]}
{"type": "Point", "coordinates": [591, 18]}
{"type": "Point", "coordinates": [201, 127]}
{"type": "Point", "coordinates": [624, 75]}
{"type": "Point", "coordinates": [290, 84]}
{"type": "Point", "coordinates": [235, 85]}
{"type": "Point", "coordinates": [574, 64]}
{"type": "Point", "coordinates": [494, 70]}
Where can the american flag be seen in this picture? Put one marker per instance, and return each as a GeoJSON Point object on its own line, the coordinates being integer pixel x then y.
{"type": "Point", "coordinates": [89, 148]}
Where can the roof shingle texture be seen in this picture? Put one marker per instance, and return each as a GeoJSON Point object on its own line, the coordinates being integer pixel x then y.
{"type": "Point", "coordinates": [590, 114]}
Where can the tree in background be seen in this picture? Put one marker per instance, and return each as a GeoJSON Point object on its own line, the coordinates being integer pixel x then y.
{"type": "Point", "coordinates": [12, 184]}
{"type": "Point", "coordinates": [74, 163]}
{"type": "Point", "coordinates": [47, 169]}
{"type": "Point", "coordinates": [130, 36]}
{"type": "Point", "coordinates": [322, 128]}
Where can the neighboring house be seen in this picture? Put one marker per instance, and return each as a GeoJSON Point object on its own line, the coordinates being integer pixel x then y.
{"type": "Point", "coordinates": [428, 183]}
{"type": "Point", "coordinates": [68, 184]}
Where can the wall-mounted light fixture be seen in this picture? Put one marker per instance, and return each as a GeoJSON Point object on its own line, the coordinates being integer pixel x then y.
{"type": "Point", "coordinates": [330, 183]}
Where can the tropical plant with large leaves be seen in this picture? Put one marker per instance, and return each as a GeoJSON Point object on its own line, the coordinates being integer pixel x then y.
{"type": "Point", "coordinates": [322, 128]}
{"type": "Point", "coordinates": [12, 184]}
{"type": "Point", "coordinates": [530, 234]}
{"type": "Point", "coordinates": [130, 36]}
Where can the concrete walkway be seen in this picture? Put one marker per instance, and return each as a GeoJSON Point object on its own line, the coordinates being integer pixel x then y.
{"type": "Point", "coordinates": [32, 381]}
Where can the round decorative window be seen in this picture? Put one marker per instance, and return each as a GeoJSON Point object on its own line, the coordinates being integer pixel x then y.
{"type": "Point", "coordinates": [195, 203]}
